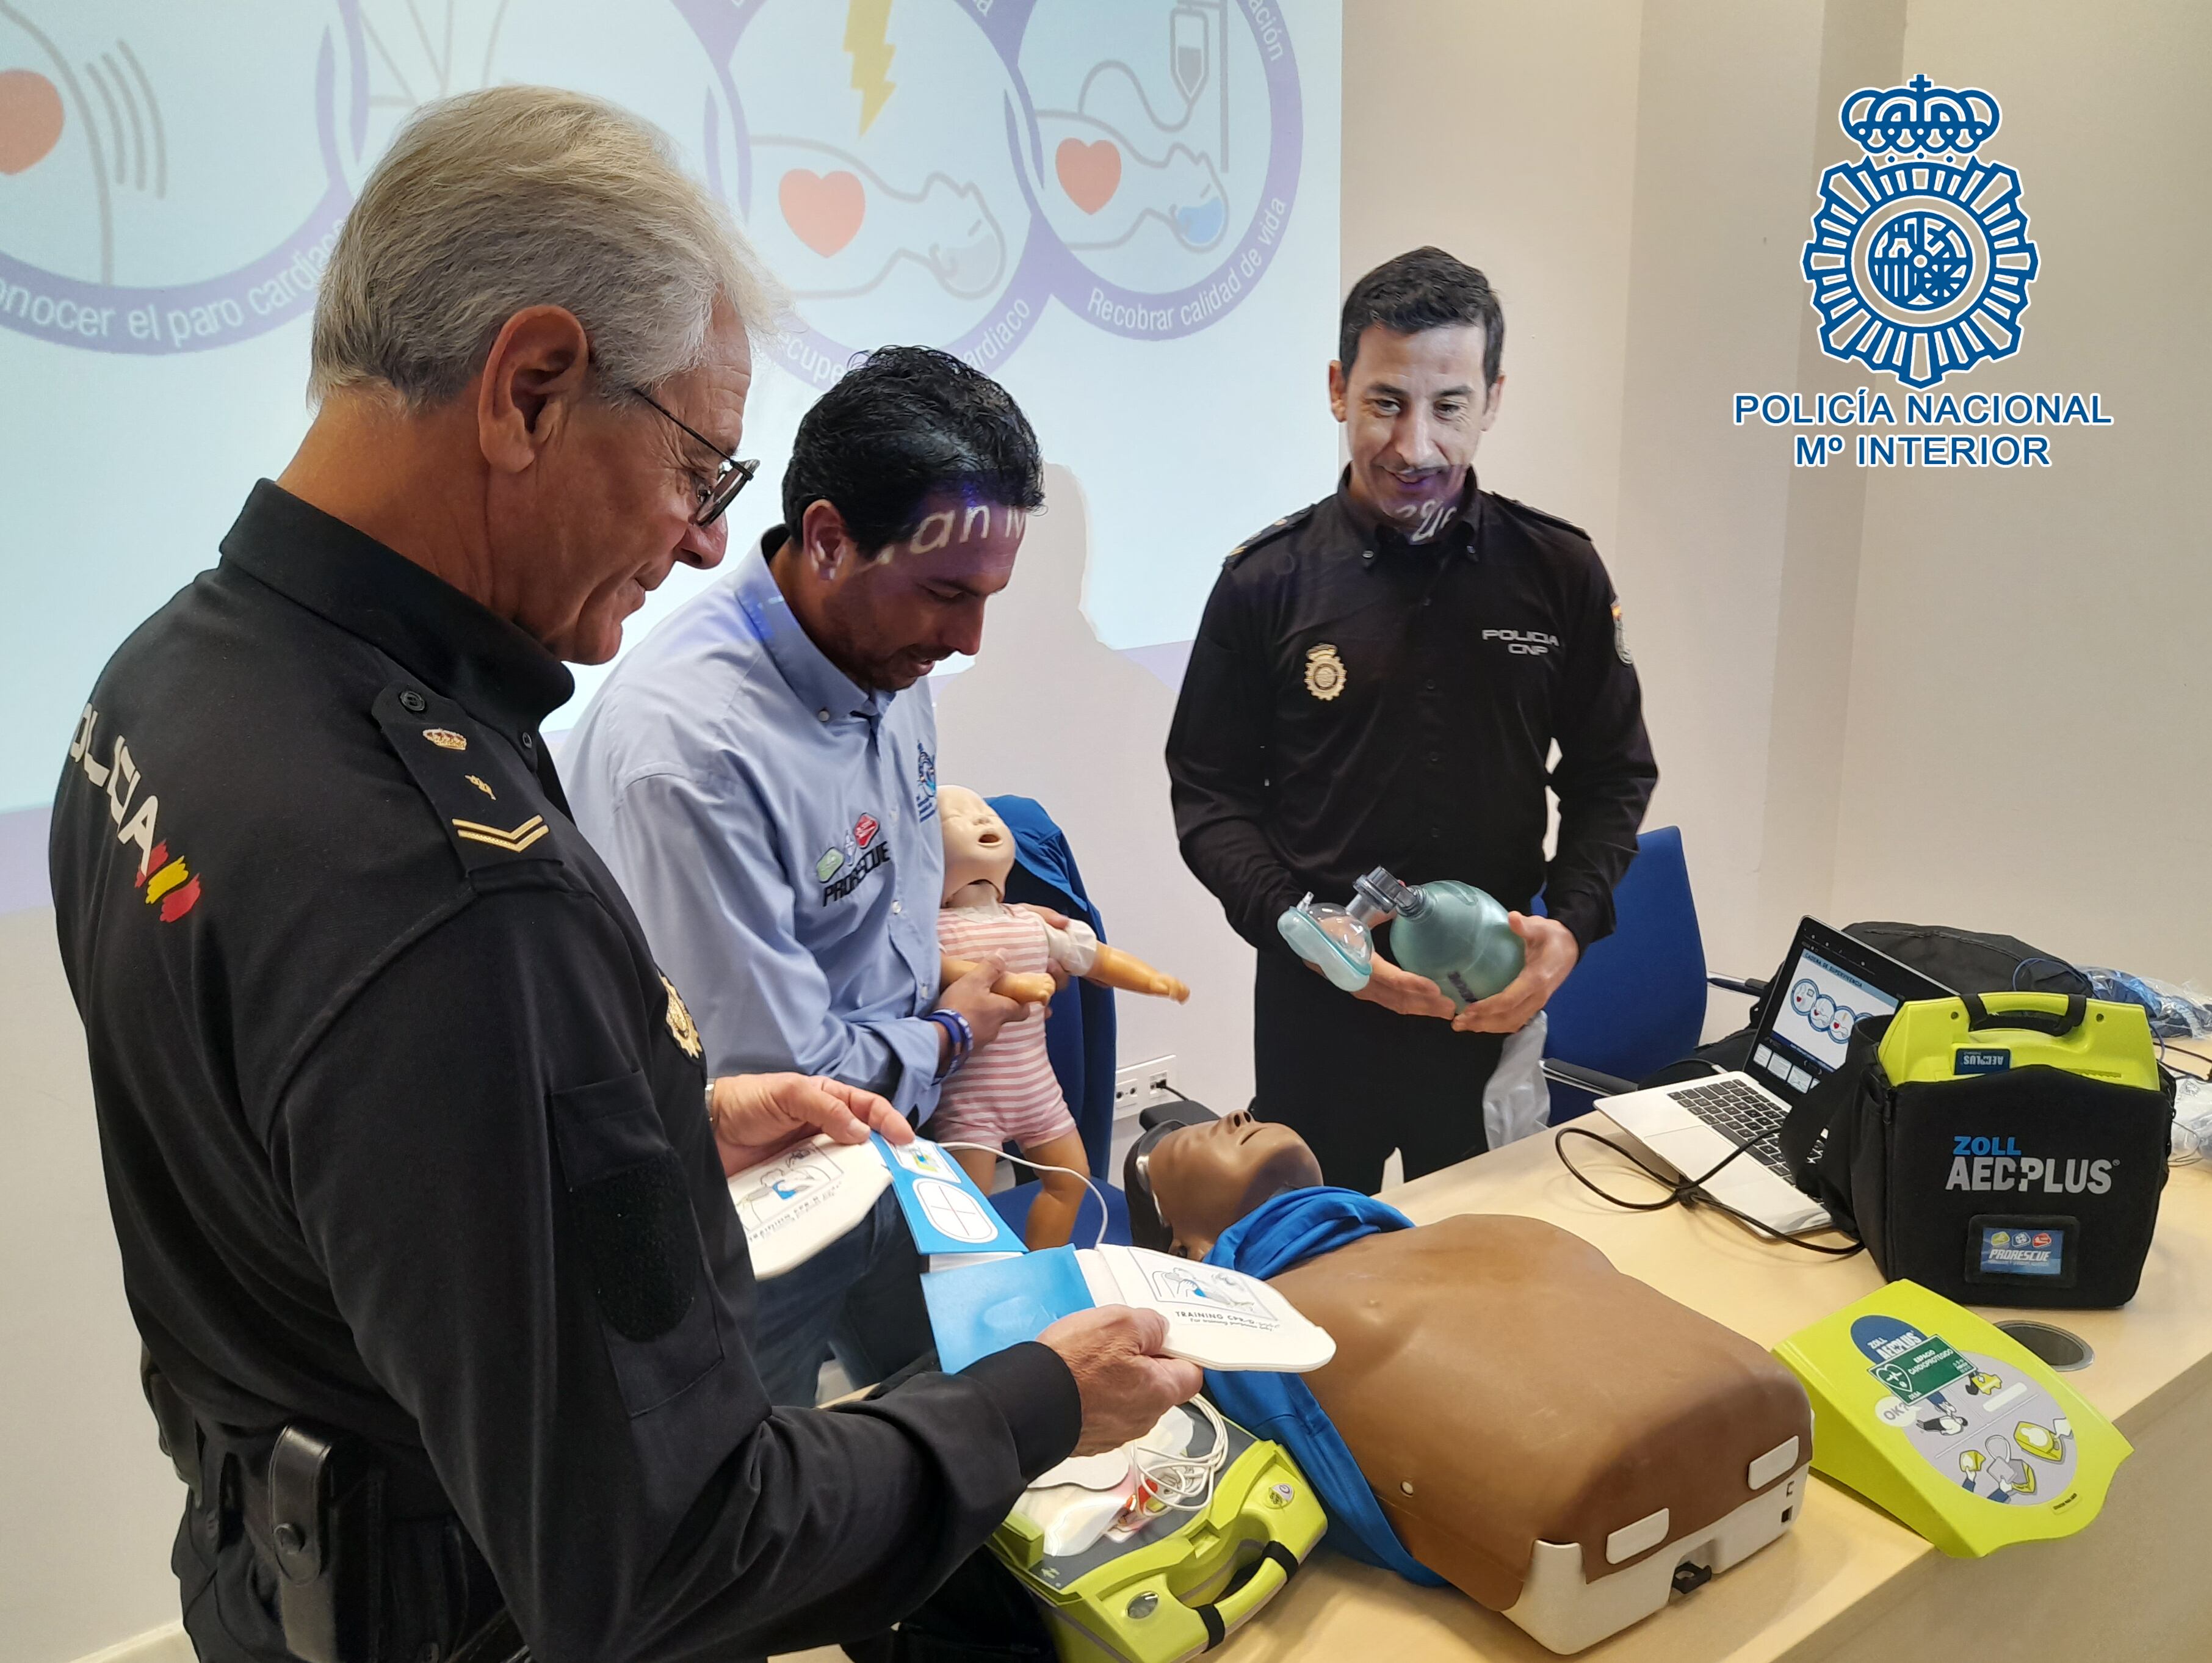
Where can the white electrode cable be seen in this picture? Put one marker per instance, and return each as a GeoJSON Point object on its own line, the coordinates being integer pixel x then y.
{"type": "Point", "coordinates": [1175, 1482]}
{"type": "Point", "coordinates": [1040, 1166]}
{"type": "Point", "coordinates": [1183, 1483]}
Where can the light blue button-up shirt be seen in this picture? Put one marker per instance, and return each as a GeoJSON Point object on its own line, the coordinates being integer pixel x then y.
{"type": "Point", "coordinates": [776, 827]}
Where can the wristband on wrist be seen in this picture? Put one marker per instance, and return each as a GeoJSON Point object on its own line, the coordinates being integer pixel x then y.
{"type": "Point", "coordinates": [961, 1039]}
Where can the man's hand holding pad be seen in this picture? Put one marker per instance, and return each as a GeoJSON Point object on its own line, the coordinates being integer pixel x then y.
{"type": "Point", "coordinates": [758, 1115]}
{"type": "Point", "coordinates": [1126, 1384]}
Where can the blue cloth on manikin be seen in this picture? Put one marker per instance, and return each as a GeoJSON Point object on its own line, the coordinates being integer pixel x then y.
{"type": "Point", "coordinates": [1078, 1035]}
{"type": "Point", "coordinates": [1280, 1233]}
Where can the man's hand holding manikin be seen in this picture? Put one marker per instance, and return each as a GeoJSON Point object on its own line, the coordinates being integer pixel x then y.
{"type": "Point", "coordinates": [1551, 951]}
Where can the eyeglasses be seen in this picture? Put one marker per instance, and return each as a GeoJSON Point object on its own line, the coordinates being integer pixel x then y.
{"type": "Point", "coordinates": [731, 477]}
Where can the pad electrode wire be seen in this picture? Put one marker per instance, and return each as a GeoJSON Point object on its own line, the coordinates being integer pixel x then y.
{"type": "Point", "coordinates": [1182, 1482]}
{"type": "Point", "coordinates": [1691, 1192]}
{"type": "Point", "coordinates": [1177, 1482]}
{"type": "Point", "coordinates": [1099, 1241]}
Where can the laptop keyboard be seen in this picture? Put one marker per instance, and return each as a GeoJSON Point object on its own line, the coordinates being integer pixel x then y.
{"type": "Point", "coordinates": [1741, 1115]}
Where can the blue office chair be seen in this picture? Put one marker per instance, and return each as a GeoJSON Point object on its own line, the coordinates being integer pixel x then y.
{"type": "Point", "coordinates": [1636, 1001]}
{"type": "Point", "coordinates": [1079, 1035]}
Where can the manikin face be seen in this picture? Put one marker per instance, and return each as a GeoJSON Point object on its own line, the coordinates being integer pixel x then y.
{"type": "Point", "coordinates": [978, 848]}
{"type": "Point", "coordinates": [1205, 1178]}
{"type": "Point", "coordinates": [888, 618]}
{"type": "Point", "coordinates": [1413, 409]}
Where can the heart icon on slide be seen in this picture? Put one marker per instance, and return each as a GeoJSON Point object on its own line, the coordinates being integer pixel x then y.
{"type": "Point", "coordinates": [825, 209]}
{"type": "Point", "coordinates": [30, 120]}
{"type": "Point", "coordinates": [1090, 173]}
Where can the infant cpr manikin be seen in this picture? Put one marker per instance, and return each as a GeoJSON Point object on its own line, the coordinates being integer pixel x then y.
{"type": "Point", "coordinates": [1007, 1088]}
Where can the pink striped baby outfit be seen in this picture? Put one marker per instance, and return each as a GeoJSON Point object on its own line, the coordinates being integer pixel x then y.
{"type": "Point", "coordinates": [1007, 1088]}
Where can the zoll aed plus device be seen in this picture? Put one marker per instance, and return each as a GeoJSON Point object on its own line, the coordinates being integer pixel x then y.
{"type": "Point", "coordinates": [1949, 1424]}
{"type": "Point", "coordinates": [1165, 1586]}
{"type": "Point", "coordinates": [1938, 1039]}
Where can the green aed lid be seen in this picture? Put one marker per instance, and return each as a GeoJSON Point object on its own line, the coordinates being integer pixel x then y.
{"type": "Point", "coordinates": [1949, 1424]}
{"type": "Point", "coordinates": [1937, 1039]}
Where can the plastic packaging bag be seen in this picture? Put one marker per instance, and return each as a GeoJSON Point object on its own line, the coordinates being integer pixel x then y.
{"type": "Point", "coordinates": [2176, 1013]}
{"type": "Point", "coordinates": [2192, 1118]}
{"type": "Point", "coordinates": [1516, 1100]}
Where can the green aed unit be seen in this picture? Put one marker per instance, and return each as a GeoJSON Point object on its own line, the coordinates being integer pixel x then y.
{"type": "Point", "coordinates": [1180, 1584]}
{"type": "Point", "coordinates": [1949, 1424]}
{"type": "Point", "coordinates": [1938, 1039]}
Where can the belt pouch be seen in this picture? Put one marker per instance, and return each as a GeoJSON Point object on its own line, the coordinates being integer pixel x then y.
{"type": "Point", "coordinates": [326, 1524]}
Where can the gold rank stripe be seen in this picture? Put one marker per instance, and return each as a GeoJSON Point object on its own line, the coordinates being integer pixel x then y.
{"type": "Point", "coordinates": [513, 841]}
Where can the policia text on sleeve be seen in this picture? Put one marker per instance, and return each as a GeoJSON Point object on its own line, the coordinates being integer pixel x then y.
{"type": "Point", "coordinates": [405, 1140]}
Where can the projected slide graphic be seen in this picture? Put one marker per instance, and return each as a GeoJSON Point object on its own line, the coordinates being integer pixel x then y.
{"type": "Point", "coordinates": [1124, 209]}
{"type": "Point", "coordinates": [923, 169]}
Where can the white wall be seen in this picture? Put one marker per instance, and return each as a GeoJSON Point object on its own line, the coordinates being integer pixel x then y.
{"type": "Point", "coordinates": [87, 1503]}
{"type": "Point", "coordinates": [2028, 670]}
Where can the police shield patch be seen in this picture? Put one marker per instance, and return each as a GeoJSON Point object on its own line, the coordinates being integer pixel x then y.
{"type": "Point", "coordinates": [1324, 672]}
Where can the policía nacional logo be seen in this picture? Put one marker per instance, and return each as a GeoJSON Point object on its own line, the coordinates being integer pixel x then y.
{"type": "Point", "coordinates": [1920, 259]}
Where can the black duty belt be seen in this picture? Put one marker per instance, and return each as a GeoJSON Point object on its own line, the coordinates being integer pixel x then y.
{"type": "Point", "coordinates": [372, 1564]}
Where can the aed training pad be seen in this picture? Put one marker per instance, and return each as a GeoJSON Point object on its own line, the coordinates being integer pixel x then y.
{"type": "Point", "coordinates": [1949, 1424]}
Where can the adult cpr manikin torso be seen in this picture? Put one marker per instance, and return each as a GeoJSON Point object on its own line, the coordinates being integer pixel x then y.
{"type": "Point", "coordinates": [1501, 1385]}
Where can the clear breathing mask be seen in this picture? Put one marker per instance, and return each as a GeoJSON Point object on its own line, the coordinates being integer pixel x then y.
{"type": "Point", "coordinates": [1339, 940]}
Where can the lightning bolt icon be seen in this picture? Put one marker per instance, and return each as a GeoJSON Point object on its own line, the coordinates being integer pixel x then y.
{"type": "Point", "coordinates": [864, 23]}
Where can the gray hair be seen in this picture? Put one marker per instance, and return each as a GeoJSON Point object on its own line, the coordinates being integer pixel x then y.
{"type": "Point", "coordinates": [515, 196]}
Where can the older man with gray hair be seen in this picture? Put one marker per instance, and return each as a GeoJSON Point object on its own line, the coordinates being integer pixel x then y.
{"type": "Point", "coordinates": [418, 1181]}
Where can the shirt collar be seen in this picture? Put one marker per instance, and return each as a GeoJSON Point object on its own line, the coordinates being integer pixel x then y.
{"type": "Point", "coordinates": [460, 649]}
{"type": "Point", "coordinates": [1460, 534]}
{"type": "Point", "coordinates": [820, 685]}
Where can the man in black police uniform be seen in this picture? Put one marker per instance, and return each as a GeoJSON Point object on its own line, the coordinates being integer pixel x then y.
{"type": "Point", "coordinates": [405, 1135]}
{"type": "Point", "coordinates": [1378, 680]}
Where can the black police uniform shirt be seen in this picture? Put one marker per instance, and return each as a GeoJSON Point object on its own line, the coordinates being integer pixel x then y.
{"type": "Point", "coordinates": [1355, 700]}
{"type": "Point", "coordinates": [404, 1133]}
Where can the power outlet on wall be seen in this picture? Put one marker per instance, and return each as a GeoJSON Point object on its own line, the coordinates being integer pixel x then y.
{"type": "Point", "coordinates": [1140, 1085]}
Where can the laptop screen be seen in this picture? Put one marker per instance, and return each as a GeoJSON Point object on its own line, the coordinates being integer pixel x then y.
{"type": "Point", "coordinates": [1809, 1026]}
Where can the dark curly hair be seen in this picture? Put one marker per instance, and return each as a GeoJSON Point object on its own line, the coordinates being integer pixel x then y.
{"type": "Point", "coordinates": [1426, 288]}
{"type": "Point", "coordinates": [904, 423]}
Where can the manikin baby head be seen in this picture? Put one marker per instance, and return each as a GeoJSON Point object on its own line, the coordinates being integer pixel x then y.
{"type": "Point", "coordinates": [978, 848]}
{"type": "Point", "coordinates": [1188, 1183]}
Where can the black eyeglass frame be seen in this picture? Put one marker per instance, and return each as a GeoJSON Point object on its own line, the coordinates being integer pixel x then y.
{"type": "Point", "coordinates": [732, 477]}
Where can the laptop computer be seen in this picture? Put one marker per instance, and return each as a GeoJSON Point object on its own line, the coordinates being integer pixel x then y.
{"type": "Point", "coordinates": [1828, 982]}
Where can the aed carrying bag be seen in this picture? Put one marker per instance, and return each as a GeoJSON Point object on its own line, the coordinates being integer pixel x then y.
{"type": "Point", "coordinates": [2003, 1150]}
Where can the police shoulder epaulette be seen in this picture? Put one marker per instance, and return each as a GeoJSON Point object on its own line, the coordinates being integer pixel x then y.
{"type": "Point", "coordinates": [491, 810]}
{"type": "Point", "coordinates": [1521, 510]}
{"type": "Point", "coordinates": [1288, 523]}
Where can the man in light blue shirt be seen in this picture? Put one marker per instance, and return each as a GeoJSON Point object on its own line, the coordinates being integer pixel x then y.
{"type": "Point", "coordinates": [764, 786]}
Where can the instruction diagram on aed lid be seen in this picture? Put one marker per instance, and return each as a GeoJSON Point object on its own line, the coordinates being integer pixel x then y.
{"type": "Point", "coordinates": [2003, 1440]}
